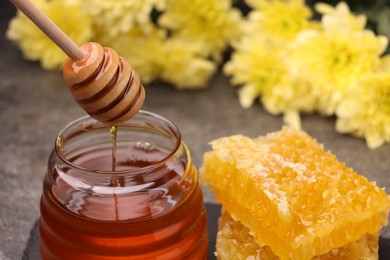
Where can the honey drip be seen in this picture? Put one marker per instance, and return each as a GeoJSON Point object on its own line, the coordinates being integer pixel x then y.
{"type": "Point", "coordinates": [114, 178]}
{"type": "Point", "coordinates": [113, 131]}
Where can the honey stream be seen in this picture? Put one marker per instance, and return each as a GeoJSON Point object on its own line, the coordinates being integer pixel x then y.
{"type": "Point", "coordinates": [113, 131]}
{"type": "Point", "coordinates": [114, 178]}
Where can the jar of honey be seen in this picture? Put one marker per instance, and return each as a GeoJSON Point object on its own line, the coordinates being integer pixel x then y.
{"type": "Point", "coordinates": [132, 193]}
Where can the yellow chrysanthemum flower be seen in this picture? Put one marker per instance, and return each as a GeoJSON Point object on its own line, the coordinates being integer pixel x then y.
{"type": "Point", "coordinates": [290, 99]}
{"type": "Point", "coordinates": [340, 18]}
{"type": "Point", "coordinates": [334, 59]}
{"type": "Point", "coordinates": [184, 67]}
{"type": "Point", "coordinates": [212, 24]}
{"type": "Point", "coordinates": [278, 19]}
{"type": "Point", "coordinates": [385, 63]}
{"type": "Point", "coordinates": [36, 46]}
{"type": "Point", "coordinates": [365, 109]}
{"type": "Point", "coordinates": [142, 48]}
{"type": "Point", "coordinates": [113, 17]}
{"type": "Point", "coordinates": [155, 57]}
{"type": "Point", "coordinates": [256, 66]}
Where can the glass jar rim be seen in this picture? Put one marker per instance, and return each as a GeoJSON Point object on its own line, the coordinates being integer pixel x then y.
{"type": "Point", "coordinates": [87, 123]}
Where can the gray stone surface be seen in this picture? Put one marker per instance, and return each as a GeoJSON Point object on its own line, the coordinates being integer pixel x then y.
{"type": "Point", "coordinates": [35, 105]}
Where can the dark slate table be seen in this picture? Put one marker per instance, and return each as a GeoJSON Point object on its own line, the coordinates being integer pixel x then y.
{"type": "Point", "coordinates": [35, 105]}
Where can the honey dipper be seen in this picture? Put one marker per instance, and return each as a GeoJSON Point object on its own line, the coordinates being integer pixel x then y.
{"type": "Point", "coordinates": [101, 82]}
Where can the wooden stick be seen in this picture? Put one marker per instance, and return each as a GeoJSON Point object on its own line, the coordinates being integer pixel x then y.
{"type": "Point", "coordinates": [50, 29]}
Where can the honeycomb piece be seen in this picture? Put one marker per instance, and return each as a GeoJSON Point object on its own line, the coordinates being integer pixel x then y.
{"type": "Point", "coordinates": [294, 197]}
{"type": "Point", "coordinates": [234, 241]}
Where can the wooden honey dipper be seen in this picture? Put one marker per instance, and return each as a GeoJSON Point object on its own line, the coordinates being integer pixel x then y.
{"type": "Point", "coordinates": [101, 82]}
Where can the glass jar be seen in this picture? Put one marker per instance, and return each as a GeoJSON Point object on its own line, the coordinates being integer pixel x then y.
{"type": "Point", "coordinates": [136, 197]}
